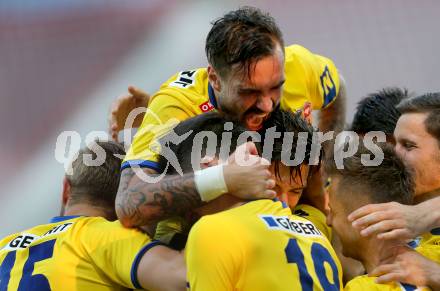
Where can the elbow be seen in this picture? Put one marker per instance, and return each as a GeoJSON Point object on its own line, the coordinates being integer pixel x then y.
{"type": "Point", "coordinates": [125, 219]}
{"type": "Point", "coordinates": [130, 213]}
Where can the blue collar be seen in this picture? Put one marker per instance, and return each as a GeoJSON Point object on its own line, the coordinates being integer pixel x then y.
{"type": "Point", "coordinates": [435, 231]}
{"type": "Point", "coordinates": [282, 202]}
{"type": "Point", "coordinates": [62, 218]}
{"type": "Point", "coordinates": [211, 95]}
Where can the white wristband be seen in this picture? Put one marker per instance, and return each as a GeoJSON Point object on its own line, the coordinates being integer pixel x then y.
{"type": "Point", "coordinates": [210, 182]}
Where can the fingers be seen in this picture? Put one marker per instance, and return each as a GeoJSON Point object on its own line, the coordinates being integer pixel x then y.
{"type": "Point", "coordinates": [387, 273]}
{"type": "Point", "coordinates": [395, 234]}
{"type": "Point", "coordinates": [390, 277]}
{"type": "Point", "coordinates": [368, 219]}
{"type": "Point", "coordinates": [137, 93]}
{"type": "Point", "coordinates": [114, 133]}
{"type": "Point", "coordinates": [365, 210]}
{"type": "Point", "coordinates": [113, 123]}
{"type": "Point", "coordinates": [380, 226]}
{"type": "Point", "coordinates": [383, 269]}
{"type": "Point", "coordinates": [268, 194]}
{"type": "Point", "coordinates": [270, 184]}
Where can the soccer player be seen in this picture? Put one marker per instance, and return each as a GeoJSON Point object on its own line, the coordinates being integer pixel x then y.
{"type": "Point", "coordinates": [375, 112]}
{"type": "Point", "coordinates": [378, 112]}
{"type": "Point", "coordinates": [250, 73]}
{"type": "Point", "coordinates": [83, 249]}
{"type": "Point", "coordinates": [356, 185]}
{"type": "Point", "coordinates": [258, 245]}
{"type": "Point", "coordinates": [417, 137]}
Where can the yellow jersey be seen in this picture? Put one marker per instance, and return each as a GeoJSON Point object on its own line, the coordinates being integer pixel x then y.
{"type": "Point", "coordinates": [73, 253]}
{"type": "Point", "coordinates": [365, 283]}
{"type": "Point", "coordinates": [309, 78]}
{"type": "Point", "coordinates": [260, 245]}
{"type": "Point", "coordinates": [316, 217]}
{"type": "Point", "coordinates": [429, 245]}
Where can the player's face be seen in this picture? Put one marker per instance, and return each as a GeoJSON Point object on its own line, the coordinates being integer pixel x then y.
{"type": "Point", "coordinates": [250, 98]}
{"type": "Point", "coordinates": [420, 150]}
{"type": "Point", "coordinates": [339, 209]}
{"type": "Point", "coordinates": [289, 186]}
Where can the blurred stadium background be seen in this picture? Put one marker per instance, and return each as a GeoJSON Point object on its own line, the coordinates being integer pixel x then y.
{"type": "Point", "coordinates": [62, 63]}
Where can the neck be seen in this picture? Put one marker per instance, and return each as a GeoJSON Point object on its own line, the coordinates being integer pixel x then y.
{"type": "Point", "coordinates": [426, 196]}
{"type": "Point", "coordinates": [85, 210]}
{"type": "Point", "coordinates": [376, 251]}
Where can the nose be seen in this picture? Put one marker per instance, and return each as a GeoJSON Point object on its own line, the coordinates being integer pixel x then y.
{"type": "Point", "coordinates": [265, 104]}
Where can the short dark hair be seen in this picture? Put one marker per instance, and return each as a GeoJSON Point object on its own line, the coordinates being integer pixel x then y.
{"type": "Point", "coordinates": [241, 37]}
{"type": "Point", "coordinates": [287, 121]}
{"type": "Point", "coordinates": [284, 121]}
{"type": "Point", "coordinates": [211, 121]}
{"type": "Point", "coordinates": [378, 112]}
{"type": "Point", "coordinates": [97, 185]}
{"type": "Point", "coordinates": [390, 181]}
{"type": "Point", "coordinates": [427, 103]}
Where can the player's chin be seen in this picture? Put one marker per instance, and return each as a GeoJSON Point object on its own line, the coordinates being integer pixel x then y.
{"type": "Point", "coordinates": [254, 122]}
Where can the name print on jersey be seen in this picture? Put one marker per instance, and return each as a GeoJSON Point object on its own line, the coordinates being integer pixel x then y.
{"type": "Point", "coordinates": [292, 226]}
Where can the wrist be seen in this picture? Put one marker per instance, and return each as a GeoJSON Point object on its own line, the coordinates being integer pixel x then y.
{"type": "Point", "coordinates": [210, 182]}
{"type": "Point", "coordinates": [432, 216]}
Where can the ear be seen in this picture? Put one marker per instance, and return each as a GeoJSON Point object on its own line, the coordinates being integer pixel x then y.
{"type": "Point", "coordinates": [214, 78]}
{"type": "Point", "coordinates": [66, 191]}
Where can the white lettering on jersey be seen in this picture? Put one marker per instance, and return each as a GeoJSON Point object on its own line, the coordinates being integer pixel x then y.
{"type": "Point", "coordinates": [184, 79]}
{"type": "Point", "coordinates": [300, 227]}
{"type": "Point", "coordinates": [21, 241]}
{"type": "Point", "coordinates": [24, 240]}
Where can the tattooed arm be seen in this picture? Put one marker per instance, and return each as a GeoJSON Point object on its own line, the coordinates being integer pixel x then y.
{"type": "Point", "coordinates": [140, 203]}
{"type": "Point", "coordinates": [333, 117]}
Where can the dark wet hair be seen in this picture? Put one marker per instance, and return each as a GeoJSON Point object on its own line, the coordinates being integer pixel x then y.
{"type": "Point", "coordinates": [241, 37]}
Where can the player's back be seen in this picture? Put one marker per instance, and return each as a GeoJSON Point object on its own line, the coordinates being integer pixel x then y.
{"type": "Point", "coordinates": [70, 253]}
{"type": "Point", "coordinates": [260, 246]}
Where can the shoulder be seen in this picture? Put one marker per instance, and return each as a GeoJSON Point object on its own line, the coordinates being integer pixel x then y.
{"type": "Point", "coordinates": [190, 83]}
{"type": "Point", "coordinates": [101, 226]}
{"type": "Point", "coordinates": [315, 216]}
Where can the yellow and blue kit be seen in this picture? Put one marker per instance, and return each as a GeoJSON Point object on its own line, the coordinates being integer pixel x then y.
{"type": "Point", "coordinates": [428, 245]}
{"type": "Point", "coordinates": [73, 253]}
{"type": "Point", "coordinates": [309, 78]}
{"type": "Point", "coordinates": [260, 245]}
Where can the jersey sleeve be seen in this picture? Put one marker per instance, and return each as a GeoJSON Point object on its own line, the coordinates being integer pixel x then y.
{"type": "Point", "coordinates": [213, 256]}
{"type": "Point", "coordinates": [316, 217]}
{"type": "Point", "coordinates": [309, 78]}
{"type": "Point", "coordinates": [163, 113]}
{"type": "Point", "coordinates": [116, 251]}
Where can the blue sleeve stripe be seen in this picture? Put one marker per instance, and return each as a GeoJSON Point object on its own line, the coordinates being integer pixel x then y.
{"type": "Point", "coordinates": [137, 260]}
{"type": "Point", "coordinates": [62, 218]}
{"type": "Point", "coordinates": [408, 287]}
{"type": "Point", "coordinates": [141, 164]}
